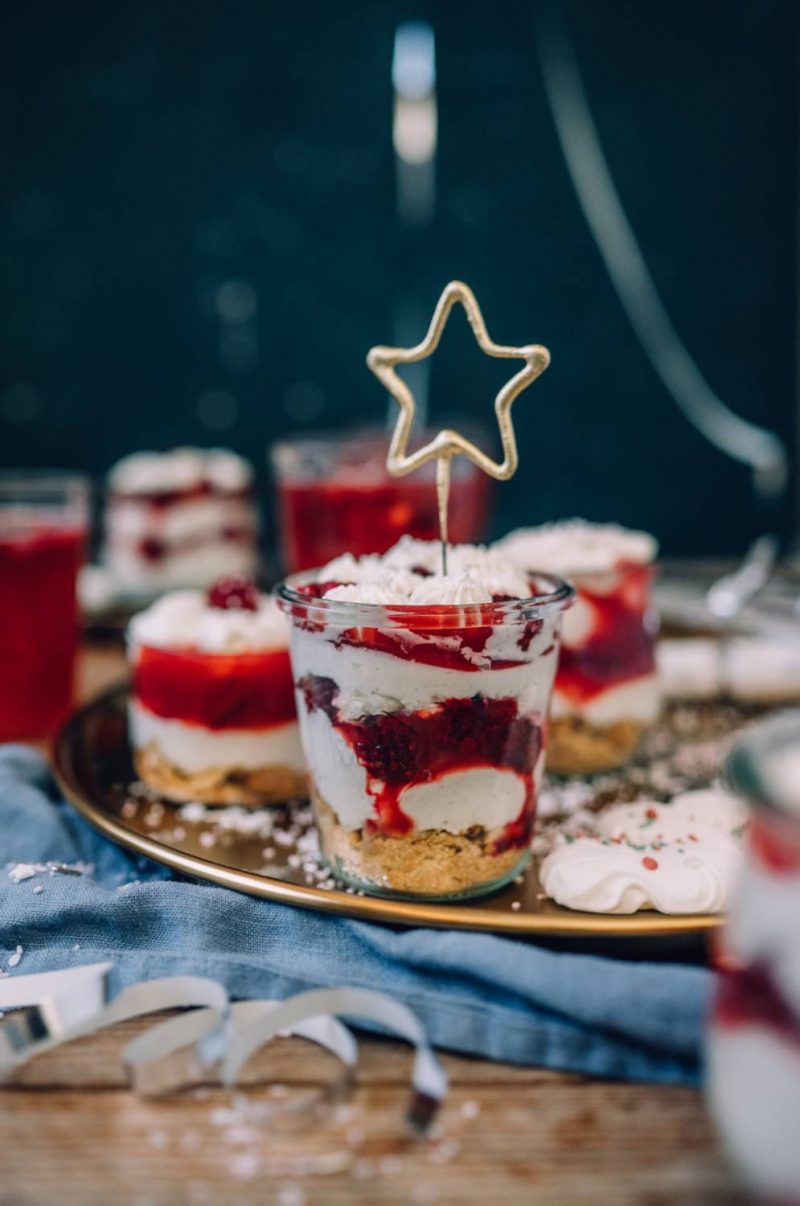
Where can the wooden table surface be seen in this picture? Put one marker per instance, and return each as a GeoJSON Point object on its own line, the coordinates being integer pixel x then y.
{"type": "Point", "coordinates": [71, 1132]}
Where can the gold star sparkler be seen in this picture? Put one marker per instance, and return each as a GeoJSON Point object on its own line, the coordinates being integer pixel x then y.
{"type": "Point", "coordinates": [448, 443]}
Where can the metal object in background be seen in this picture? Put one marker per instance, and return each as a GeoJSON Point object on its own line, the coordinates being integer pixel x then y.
{"type": "Point", "coordinates": [415, 126]}
{"type": "Point", "coordinates": [727, 596]}
{"type": "Point", "coordinates": [577, 133]}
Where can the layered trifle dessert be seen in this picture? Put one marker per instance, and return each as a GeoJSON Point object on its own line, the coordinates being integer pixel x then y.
{"type": "Point", "coordinates": [606, 689]}
{"type": "Point", "coordinates": [423, 700]}
{"type": "Point", "coordinates": [179, 518]}
{"type": "Point", "coordinates": [212, 714]}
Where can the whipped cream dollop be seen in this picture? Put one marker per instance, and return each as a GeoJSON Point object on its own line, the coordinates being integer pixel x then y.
{"type": "Point", "coordinates": [677, 858]}
{"type": "Point", "coordinates": [410, 574]}
{"type": "Point", "coordinates": [577, 547]}
{"type": "Point", "coordinates": [183, 619]}
{"type": "Point", "coordinates": [180, 469]}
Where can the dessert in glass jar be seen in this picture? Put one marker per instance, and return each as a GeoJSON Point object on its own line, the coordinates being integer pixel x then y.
{"type": "Point", "coordinates": [178, 519]}
{"type": "Point", "coordinates": [606, 690]}
{"type": "Point", "coordinates": [753, 1054]}
{"type": "Point", "coordinates": [212, 715]}
{"type": "Point", "coordinates": [335, 495]}
{"type": "Point", "coordinates": [423, 700]}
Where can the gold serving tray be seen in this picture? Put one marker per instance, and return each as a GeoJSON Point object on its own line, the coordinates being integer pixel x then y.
{"type": "Point", "coordinates": [94, 770]}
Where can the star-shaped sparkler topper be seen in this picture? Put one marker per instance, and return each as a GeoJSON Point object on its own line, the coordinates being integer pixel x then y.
{"type": "Point", "coordinates": [447, 443]}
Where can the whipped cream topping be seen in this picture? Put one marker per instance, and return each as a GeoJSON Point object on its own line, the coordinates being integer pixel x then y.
{"type": "Point", "coordinates": [410, 574]}
{"type": "Point", "coordinates": [179, 469]}
{"type": "Point", "coordinates": [677, 858]}
{"type": "Point", "coordinates": [577, 547]}
{"type": "Point", "coordinates": [183, 619]}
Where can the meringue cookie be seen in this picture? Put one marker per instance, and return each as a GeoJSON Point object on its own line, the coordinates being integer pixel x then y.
{"type": "Point", "coordinates": [677, 858]}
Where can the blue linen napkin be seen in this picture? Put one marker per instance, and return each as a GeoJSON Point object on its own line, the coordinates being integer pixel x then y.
{"type": "Point", "coordinates": [476, 993]}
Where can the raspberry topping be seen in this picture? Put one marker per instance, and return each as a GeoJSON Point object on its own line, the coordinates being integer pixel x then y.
{"type": "Point", "coordinates": [236, 593]}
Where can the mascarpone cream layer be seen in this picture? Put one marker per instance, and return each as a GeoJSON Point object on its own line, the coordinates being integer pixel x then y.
{"type": "Point", "coordinates": [193, 567]}
{"type": "Point", "coordinates": [194, 748]}
{"type": "Point", "coordinates": [484, 796]}
{"type": "Point", "coordinates": [638, 700]}
{"type": "Point", "coordinates": [129, 520]}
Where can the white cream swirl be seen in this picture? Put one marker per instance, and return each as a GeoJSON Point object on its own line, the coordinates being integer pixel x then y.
{"type": "Point", "coordinates": [409, 574]}
{"type": "Point", "coordinates": [183, 619]}
{"type": "Point", "coordinates": [180, 469]}
{"type": "Point", "coordinates": [577, 547]}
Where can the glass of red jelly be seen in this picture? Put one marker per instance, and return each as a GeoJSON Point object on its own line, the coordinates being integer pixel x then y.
{"type": "Point", "coordinates": [335, 495]}
{"type": "Point", "coordinates": [43, 526]}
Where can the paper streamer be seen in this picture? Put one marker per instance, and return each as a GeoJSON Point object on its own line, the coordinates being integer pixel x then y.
{"type": "Point", "coordinates": [56, 1007]}
{"type": "Point", "coordinates": [210, 1043]}
{"type": "Point", "coordinates": [428, 1077]}
{"type": "Point", "coordinates": [183, 1051]}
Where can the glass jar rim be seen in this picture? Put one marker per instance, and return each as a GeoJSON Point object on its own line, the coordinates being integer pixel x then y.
{"type": "Point", "coordinates": [746, 767]}
{"type": "Point", "coordinates": [558, 596]}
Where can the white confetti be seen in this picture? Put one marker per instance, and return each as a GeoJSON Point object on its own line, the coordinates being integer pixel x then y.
{"type": "Point", "coordinates": [22, 871]}
{"type": "Point", "coordinates": [15, 958]}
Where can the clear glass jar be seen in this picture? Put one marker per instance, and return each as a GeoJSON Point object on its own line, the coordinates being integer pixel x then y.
{"type": "Point", "coordinates": [754, 1039]}
{"type": "Point", "coordinates": [424, 732]}
{"type": "Point", "coordinates": [606, 692]}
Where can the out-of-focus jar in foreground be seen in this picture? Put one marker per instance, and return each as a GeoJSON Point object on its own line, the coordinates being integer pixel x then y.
{"type": "Point", "coordinates": [754, 1038]}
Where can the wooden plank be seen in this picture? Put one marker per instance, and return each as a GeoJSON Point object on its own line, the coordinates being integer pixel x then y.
{"type": "Point", "coordinates": [561, 1142]}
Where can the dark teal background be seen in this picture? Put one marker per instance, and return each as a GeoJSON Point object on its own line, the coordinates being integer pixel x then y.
{"type": "Point", "coordinates": [153, 152]}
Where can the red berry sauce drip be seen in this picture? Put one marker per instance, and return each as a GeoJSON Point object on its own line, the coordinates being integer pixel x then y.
{"type": "Point", "coordinates": [621, 646]}
{"type": "Point", "coordinates": [236, 593]}
{"type": "Point", "coordinates": [750, 997]}
{"type": "Point", "coordinates": [399, 750]}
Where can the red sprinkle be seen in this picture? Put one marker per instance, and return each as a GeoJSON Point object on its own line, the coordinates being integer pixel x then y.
{"type": "Point", "coordinates": [650, 864]}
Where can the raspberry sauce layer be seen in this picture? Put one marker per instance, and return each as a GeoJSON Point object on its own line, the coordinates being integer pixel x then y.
{"type": "Point", "coordinates": [620, 647]}
{"type": "Point", "coordinates": [400, 750]}
{"type": "Point", "coordinates": [439, 640]}
{"type": "Point", "coordinates": [251, 690]}
{"type": "Point", "coordinates": [750, 997]}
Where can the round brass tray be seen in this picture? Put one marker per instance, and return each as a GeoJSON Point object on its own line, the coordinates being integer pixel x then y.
{"type": "Point", "coordinates": [93, 766]}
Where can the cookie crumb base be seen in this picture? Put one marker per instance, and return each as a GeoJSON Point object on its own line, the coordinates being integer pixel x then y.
{"type": "Point", "coordinates": [429, 863]}
{"type": "Point", "coordinates": [218, 785]}
{"type": "Point", "coordinates": [575, 747]}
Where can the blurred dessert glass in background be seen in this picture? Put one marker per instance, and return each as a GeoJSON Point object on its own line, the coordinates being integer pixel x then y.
{"type": "Point", "coordinates": [179, 518]}
{"type": "Point", "coordinates": [43, 528]}
{"type": "Point", "coordinates": [606, 690]}
{"type": "Point", "coordinates": [335, 495]}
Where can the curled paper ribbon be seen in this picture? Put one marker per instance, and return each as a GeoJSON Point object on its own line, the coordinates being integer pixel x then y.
{"type": "Point", "coordinates": [184, 1051]}
{"type": "Point", "coordinates": [54, 1007]}
{"type": "Point", "coordinates": [428, 1078]}
{"type": "Point", "coordinates": [214, 1040]}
